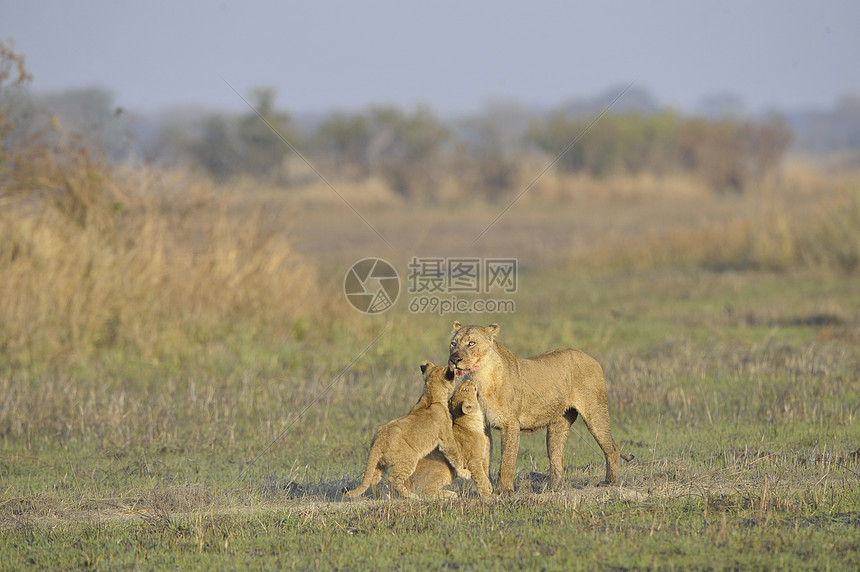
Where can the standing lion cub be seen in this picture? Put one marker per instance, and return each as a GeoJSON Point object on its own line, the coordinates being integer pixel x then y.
{"type": "Point", "coordinates": [434, 471]}
{"type": "Point", "coordinates": [401, 443]}
{"type": "Point", "coordinates": [549, 390]}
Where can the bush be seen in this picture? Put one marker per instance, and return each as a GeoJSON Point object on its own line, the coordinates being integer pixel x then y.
{"type": "Point", "coordinates": [729, 155]}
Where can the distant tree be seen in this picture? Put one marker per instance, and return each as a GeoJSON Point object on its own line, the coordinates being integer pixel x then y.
{"type": "Point", "coordinates": [251, 144]}
{"type": "Point", "coordinates": [728, 154]}
{"type": "Point", "coordinates": [406, 150]}
{"type": "Point", "coordinates": [617, 144]}
{"type": "Point", "coordinates": [92, 114]}
{"type": "Point", "coordinates": [343, 140]}
{"type": "Point", "coordinates": [215, 150]}
{"type": "Point", "coordinates": [767, 142]}
{"type": "Point", "coordinates": [714, 150]}
{"type": "Point", "coordinates": [822, 132]}
{"type": "Point", "coordinates": [492, 147]}
{"type": "Point", "coordinates": [259, 134]}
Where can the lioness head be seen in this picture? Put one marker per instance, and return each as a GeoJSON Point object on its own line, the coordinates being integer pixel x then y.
{"type": "Point", "coordinates": [465, 399]}
{"type": "Point", "coordinates": [470, 345]}
{"type": "Point", "coordinates": [438, 381]}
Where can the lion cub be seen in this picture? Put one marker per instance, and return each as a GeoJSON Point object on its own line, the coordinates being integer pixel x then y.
{"type": "Point", "coordinates": [434, 472]}
{"type": "Point", "coordinates": [401, 443]}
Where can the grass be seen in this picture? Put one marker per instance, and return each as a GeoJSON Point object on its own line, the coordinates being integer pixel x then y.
{"type": "Point", "coordinates": [745, 434]}
{"type": "Point", "coordinates": [184, 385]}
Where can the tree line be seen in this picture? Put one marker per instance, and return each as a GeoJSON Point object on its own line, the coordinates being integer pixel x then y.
{"type": "Point", "coordinates": [415, 151]}
{"type": "Point", "coordinates": [412, 151]}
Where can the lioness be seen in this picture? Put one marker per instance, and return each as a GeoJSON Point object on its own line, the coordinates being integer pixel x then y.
{"type": "Point", "coordinates": [434, 471]}
{"type": "Point", "coordinates": [548, 390]}
{"type": "Point", "coordinates": [402, 442]}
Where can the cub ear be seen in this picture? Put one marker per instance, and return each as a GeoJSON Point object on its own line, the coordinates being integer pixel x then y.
{"type": "Point", "coordinates": [493, 329]}
{"type": "Point", "coordinates": [457, 325]}
{"type": "Point", "coordinates": [425, 365]}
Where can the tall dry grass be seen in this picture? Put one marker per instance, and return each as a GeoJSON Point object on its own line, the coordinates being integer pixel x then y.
{"type": "Point", "coordinates": [96, 256]}
{"type": "Point", "coordinates": [806, 220]}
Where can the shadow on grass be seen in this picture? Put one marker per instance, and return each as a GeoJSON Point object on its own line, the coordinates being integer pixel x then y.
{"type": "Point", "coordinates": [324, 490]}
{"type": "Point", "coordinates": [527, 482]}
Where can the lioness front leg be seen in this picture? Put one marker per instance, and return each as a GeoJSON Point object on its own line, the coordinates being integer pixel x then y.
{"type": "Point", "coordinates": [510, 447]}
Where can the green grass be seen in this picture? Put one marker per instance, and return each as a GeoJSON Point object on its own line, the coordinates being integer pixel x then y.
{"type": "Point", "coordinates": [697, 529]}
{"type": "Point", "coordinates": [742, 412]}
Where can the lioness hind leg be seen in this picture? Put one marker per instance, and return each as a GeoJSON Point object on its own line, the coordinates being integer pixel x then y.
{"type": "Point", "coordinates": [598, 425]}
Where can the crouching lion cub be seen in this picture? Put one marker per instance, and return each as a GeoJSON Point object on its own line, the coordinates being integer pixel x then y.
{"type": "Point", "coordinates": [401, 443]}
{"type": "Point", "coordinates": [434, 471]}
{"type": "Point", "coordinates": [548, 390]}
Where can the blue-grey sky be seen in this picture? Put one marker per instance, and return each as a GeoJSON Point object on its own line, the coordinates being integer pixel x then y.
{"type": "Point", "coordinates": [454, 56]}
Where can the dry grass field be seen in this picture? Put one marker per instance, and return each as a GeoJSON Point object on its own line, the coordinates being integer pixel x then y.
{"type": "Point", "coordinates": [185, 385]}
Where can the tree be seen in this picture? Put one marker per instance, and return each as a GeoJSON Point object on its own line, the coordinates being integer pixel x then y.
{"type": "Point", "coordinates": [260, 147]}
{"type": "Point", "coordinates": [91, 113]}
{"type": "Point", "coordinates": [767, 143]}
{"type": "Point", "coordinates": [406, 150]}
{"type": "Point", "coordinates": [728, 154]}
{"type": "Point", "coordinates": [251, 144]}
{"type": "Point", "coordinates": [344, 141]}
{"type": "Point", "coordinates": [492, 146]}
{"type": "Point", "coordinates": [215, 149]}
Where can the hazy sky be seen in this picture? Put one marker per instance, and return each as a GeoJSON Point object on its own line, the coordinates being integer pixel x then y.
{"type": "Point", "coordinates": [453, 56]}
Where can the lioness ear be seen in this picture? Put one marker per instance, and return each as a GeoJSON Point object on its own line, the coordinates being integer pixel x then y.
{"type": "Point", "coordinates": [425, 365]}
{"type": "Point", "coordinates": [456, 326]}
{"type": "Point", "coordinates": [493, 329]}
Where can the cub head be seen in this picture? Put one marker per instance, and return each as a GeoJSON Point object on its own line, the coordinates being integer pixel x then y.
{"type": "Point", "coordinates": [438, 381]}
{"type": "Point", "coordinates": [465, 400]}
{"type": "Point", "coordinates": [469, 346]}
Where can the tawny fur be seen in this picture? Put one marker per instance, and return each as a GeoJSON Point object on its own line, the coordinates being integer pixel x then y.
{"type": "Point", "coordinates": [401, 443]}
{"type": "Point", "coordinates": [548, 390]}
{"type": "Point", "coordinates": [434, 471]}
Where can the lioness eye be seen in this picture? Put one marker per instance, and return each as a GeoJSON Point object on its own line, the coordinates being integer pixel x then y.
{"type": "Point", "coordinates": [472, 343]}
{"type": "Point", "coordinates": [453, 343]}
